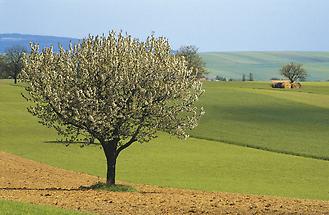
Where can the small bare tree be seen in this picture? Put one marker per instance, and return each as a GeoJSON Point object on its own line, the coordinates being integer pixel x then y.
{"type": "Point", "coordinates": [115, 89]}
{"type": "Point", "coordinates": [293, 72]}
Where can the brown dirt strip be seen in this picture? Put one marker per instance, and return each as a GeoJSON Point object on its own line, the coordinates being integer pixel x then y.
{"type": "Point", "coordinates": [30, 181]}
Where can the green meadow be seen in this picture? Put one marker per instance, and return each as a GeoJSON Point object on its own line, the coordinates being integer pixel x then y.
{"type": "Point", "coordinates": [18, 208]}
{"type": "Point", "coordinates": [215, 158]}
{"type": "Point", "coordinates": [265, 65]}
{"type": "Point", "coordinates": [255, 115]}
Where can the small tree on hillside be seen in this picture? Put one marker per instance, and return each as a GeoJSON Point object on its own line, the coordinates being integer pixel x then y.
{"type": "Point", "coordinates": [251, 77]}
{"type": "Point", "coordinates": [3, 67]}
{"type": "Point", "coordinates": [115, 89]}
{"type": "Point", "coordinates": [293, 72]}
{"type": "Point", "coordinates": [220, 78]}
{"type": "Point", "coordinates": [194, 60]}
{"type": "Point", "coordinates": [14, 61]}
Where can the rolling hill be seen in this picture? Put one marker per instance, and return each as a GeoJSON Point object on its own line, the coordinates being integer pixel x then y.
{"type": "Point", "coordinates": [255, 115]}
{"type": "Point", "coordinates": [294, 122]}
{"type": "Point", "coordinates": [265, 65]}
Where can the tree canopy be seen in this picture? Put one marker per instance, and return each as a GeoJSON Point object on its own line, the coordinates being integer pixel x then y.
{"type": "Point", "coordinates": [293, 72]}
{"type": "Point", "coordinates": [13, 57]}
{"type": "Point", "coordinates": [194, 60]}
{"type": "Point", "coordinates": [3, 67]}
{"type": "Point", "coordinates": [114, 88]}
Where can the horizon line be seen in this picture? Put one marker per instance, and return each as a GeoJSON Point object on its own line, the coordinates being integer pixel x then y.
{"type": "Point", "coordinates": [203, 51]}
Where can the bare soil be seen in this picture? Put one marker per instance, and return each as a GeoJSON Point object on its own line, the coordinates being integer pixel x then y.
{"type": "Point", "coordinates": [30, 181]}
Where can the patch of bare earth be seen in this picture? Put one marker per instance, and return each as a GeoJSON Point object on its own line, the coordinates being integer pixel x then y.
{"type": "Point", "coordinates": [29, 181]}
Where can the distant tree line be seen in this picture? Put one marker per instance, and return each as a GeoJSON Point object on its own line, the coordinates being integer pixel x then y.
{"type": "Point", "coordinates": [244, 78]}
{"type": "Point", "coordinates": [250, 78]}
{"type": "Point", "coordinates": [220, 78]}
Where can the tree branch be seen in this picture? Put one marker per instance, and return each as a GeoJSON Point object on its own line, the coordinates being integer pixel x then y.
{"type": "Point", "coordinates": [131, 141]}
{"type": "Point", "coordinates": [133, 137]}
{"type": "Point", "coordinates": [73, 122]}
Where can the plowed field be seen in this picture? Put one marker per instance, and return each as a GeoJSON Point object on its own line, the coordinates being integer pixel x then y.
{"type": "Point", "coordinates": [29, 181]}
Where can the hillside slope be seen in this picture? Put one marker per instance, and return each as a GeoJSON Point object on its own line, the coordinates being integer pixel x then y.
{"type": "Point", "coordinates": [265, 65]}
{"type": "Point", "coordinates": [255, 115]}
{"type": "Point", "coordinates": [198, 163]}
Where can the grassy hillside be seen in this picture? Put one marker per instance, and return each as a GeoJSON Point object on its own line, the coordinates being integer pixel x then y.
{"type": "Point", "coordinates": [265, 65]}
{"type": "Point", "coordinates": [166, 161]}
{"type": "Point", "coordinates": [254, 114]}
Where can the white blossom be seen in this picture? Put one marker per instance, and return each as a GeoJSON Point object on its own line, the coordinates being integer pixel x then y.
{"type": "Point", "coordinates": [113, 87]}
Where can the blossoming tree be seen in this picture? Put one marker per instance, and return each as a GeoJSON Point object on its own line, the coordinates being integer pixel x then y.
{"type": "Point", "coordinates": [113, 88]}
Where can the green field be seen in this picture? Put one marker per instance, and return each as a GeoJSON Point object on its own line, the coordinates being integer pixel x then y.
{"type": "Point", "coordinates": [265, 65]}
{"type": "Point", "coordinates": [255, 115]}
{"type": "Point", "coordinates": [200, 163]}
{"type": "Point", "coordinates": [18, 208]}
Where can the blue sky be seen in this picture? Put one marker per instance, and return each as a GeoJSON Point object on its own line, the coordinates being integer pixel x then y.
{"type": "Point", "coordinates": [211, 25]}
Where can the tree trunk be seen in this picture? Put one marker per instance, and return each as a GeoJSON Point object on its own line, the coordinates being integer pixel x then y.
{"type": "Point", "coordinates": [111, 157]}
{"type": "Point", "coordinates": [15, 79]}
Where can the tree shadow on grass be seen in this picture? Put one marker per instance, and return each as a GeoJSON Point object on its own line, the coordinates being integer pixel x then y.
{"type": "Point", "coordinates": [97, 186]}
{"type": "Point", "coordinates": [71, 142]}
{"type": "Point", "coordinates": [107, 187]}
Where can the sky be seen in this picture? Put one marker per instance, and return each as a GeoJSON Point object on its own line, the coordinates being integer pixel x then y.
{"type": "Point", "coordinates": [210, 25]}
